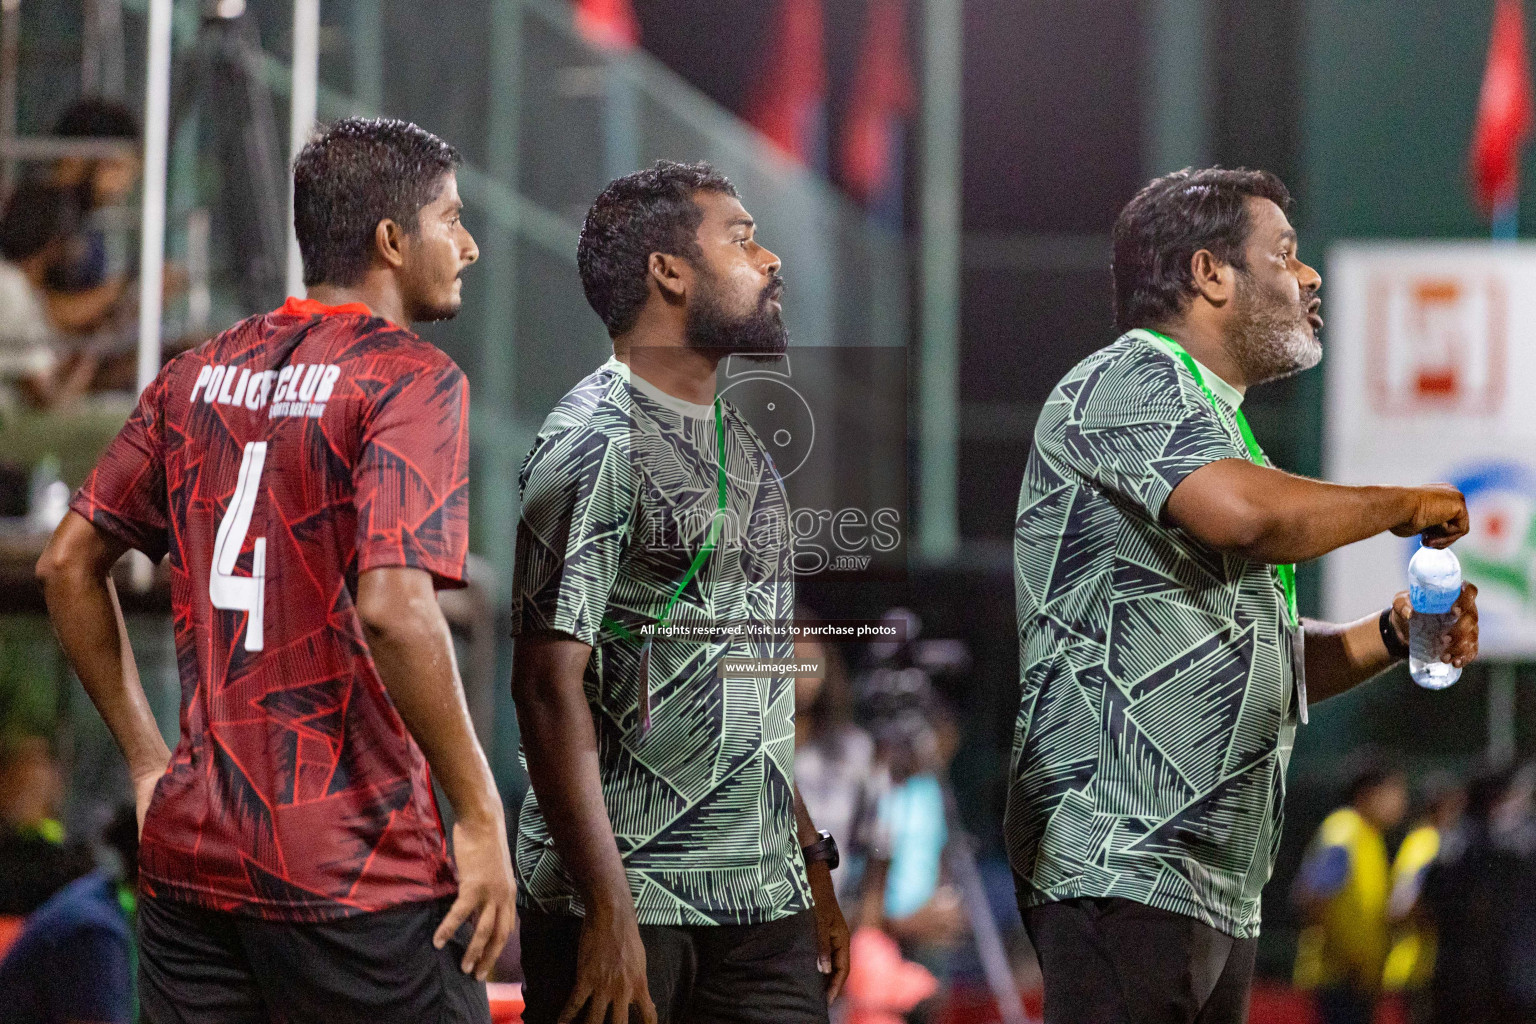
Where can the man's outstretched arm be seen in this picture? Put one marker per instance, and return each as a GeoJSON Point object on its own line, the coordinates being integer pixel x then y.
{"type": "Point", "coordinates": [82, 604]}
{"type": "Point", "coordinates": [1266, 515]}
{"type": "Point", "coordinates": [560, 743]}
{"type": "Point", "coordinates": [1342, 656]}
{"type": "Point", "coordinates": [413, 650]}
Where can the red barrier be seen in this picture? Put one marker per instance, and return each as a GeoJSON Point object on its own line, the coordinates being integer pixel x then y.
{"type": "Point", "coordinates": [506, 1003]}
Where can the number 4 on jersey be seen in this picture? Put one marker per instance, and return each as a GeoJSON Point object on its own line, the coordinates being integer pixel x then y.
{"type": "Point", "coordinates": [225, 589]}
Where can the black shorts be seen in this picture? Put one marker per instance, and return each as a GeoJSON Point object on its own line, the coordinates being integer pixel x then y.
{"type": "Point", "coordinates": [1113, 961]}
{"type": "Point", "coordinates": [731, 974]}
{"type": "Point", "coordinates": [200, 966]}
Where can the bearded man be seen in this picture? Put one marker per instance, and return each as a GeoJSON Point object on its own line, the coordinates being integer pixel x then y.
{"type": "Point", "coordinates": [1164, 669]}
{"type": "Point", "coordinates": [669, 869]}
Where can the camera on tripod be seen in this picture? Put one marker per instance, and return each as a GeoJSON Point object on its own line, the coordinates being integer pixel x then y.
{"type": "Point", "coordinates": [898, 701]}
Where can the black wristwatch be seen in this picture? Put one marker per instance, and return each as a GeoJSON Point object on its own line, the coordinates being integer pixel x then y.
{"type": "Point", "coordinates": [824, 849]}
{"type": "Point", "coordinates": [1395, 646]}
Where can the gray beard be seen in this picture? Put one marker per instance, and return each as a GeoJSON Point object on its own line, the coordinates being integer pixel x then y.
{"type": "Point", "coordinates": [1270, 340]}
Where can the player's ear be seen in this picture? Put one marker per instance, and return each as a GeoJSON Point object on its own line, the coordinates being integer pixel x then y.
{"type": "Point", "coordinates": [670, 274]}
{"type": "Point", "coordinates": [1213, 279]}
{"type": "Point", "coordinates": [388, 239]}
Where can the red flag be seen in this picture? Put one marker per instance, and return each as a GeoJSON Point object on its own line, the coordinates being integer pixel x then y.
{"type": "Point", "coordinates": [1504, 111]}
{"type": "Point", "coordinates": [882, 97]}
{"type": "Point", "coordinates": [790, 97]}
{"type": "Point", "coordinates": [608, 23]}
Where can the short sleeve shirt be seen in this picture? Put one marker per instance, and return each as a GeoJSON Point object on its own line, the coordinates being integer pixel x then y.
{"type": "Point", "coordinates": [618, 495]}
{"type": "Point", "coordinates": [273, 465]}
{"type": "Point", "coordinates": [1157, 709]}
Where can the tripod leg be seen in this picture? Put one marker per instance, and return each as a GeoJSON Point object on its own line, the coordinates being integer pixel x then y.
{"type": "Point", "coordinates": [961, 859]}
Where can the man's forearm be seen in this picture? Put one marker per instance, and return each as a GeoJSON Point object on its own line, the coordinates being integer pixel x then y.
{"type": "Point", "coordinates": [1342, 656]}
{"type": "Point", "coordinates": [413, 651]}
{"type": "Point", "coordinates": [560, 744]}
{"type": "Point", "coordinates": [89, 624]}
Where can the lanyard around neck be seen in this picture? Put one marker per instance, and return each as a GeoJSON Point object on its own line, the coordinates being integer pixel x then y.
{"type": "Point", "coordinates": [709, 544]}
{"type": "Point", "coordinates": [1285, 573]}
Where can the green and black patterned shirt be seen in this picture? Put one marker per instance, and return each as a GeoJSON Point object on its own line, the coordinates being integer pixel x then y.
{"type": "Point", "coordinates": [1157, 711]}
{"type": "Point", "coordinates": [618, 495]}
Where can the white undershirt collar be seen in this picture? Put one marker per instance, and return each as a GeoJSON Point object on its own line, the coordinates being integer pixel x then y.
{"type": "Point", "coordinates": [678, 405]}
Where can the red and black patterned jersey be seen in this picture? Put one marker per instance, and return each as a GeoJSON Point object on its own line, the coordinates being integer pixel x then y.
{"type": "Point", "coordinates": [273, 464]}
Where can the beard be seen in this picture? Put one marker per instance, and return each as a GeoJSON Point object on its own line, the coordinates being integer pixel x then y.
{"type": "Point", "coordinates": [433, 314]}
{"type": "Point", "coordinates": [426, 312]}
{"type": "Point", "coordinates": [759, 335]}
{"type": "Point", "coordinates": [1271, 338]}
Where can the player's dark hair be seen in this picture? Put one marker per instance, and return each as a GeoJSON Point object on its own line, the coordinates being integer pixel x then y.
{"type": "Point", "coordinates": [96, 118]}
{"type": "Point", "coordinates": [639, 214]}
{"type": "Point", "coordinates": [352, 175]}
{"type": "Point", "coordinates": [1172, 218]}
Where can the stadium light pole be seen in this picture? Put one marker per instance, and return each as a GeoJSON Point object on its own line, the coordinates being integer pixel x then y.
{"type": "Point", "coordinates": [157, 131]}
{"type": "Point", "coordinates": [305, 99]}
{"type": "Point", "coordinates": [368, 57]}
{"type": "Point", "coordinates": [1177, 85]}
{"type": "Point", "coordinates": [938, 524]}
{"type": "Point", "coordinates": [157, 147]}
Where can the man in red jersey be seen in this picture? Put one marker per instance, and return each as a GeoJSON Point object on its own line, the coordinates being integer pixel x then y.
{"type": "Point", "coordinates": [307, 473]}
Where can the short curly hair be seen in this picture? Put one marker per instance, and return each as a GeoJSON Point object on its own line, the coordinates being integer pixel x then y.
{"type": "Point", "coordinates": [354, 174]}
{"type": "Point", "coordinates": [1171, 219]}
{"type": "Point", "coordinates": [639, 214]}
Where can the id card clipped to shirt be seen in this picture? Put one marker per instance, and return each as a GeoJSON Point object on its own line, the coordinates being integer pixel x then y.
{"type": "Point", "coordinates": [1299, 668]}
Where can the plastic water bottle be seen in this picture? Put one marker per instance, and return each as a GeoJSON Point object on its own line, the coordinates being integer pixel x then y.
{"type": "Point", "coordinates": [1434, 584]}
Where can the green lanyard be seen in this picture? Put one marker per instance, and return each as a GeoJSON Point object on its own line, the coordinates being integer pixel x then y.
{"type": "Point", "coordinates": [1285, 573]}
{"type": "Point", "coordinates": [624, 633]}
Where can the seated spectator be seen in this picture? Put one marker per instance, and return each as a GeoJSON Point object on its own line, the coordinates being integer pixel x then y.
{"type": "Point", "coordinates": [72, 963]}
{"type": "Point", "coordinates": [35, 860]}
{"type": "Point", "coordinates": [81, 291]}
{"type": "Point", "coordinates": [32, 371]}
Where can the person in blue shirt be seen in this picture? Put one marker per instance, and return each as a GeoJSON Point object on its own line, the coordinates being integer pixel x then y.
{"type": "Point", "coordinates": [73, 962]}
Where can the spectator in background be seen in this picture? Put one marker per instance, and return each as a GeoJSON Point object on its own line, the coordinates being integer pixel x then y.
{"type": "Point", "coordinates": [31, 370]}
{"type": "Point", "coordinates": [72, 962]}
{"type": "Point", "coordinates": [1342, 890]}
{"type": "Point", "coordinates": [1411, 962]}
{"type": "Point", "coordinates": [921, 910]}
{"type": "Point", "coordinates": [81, 291]}
{"type": "Point", "coordinates": [839, 778]}
{"type": "Point", "coordinates": [35, 859]}
{"type": "Point", "coordinates": [1478, 895]}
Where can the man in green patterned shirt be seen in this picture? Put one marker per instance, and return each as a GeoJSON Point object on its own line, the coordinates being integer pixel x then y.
{"type": "Point", "coordinates": [1164, 670]}
{"type": "Point", "coordinates": [666, 861]}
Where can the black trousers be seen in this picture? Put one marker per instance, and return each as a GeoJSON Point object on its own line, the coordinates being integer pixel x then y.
{"type": "Point", "coordinates": [201, 966]}
{"type": "Point", "coordinates": [730, 974]}
{"type": "Point", "coordinates": [1113, 961]}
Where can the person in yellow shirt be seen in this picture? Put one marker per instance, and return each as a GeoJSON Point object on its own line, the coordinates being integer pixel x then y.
{"type": "Point", "coordinates": [1342, 889]}
{"type": "Point", "coordinates": [1411, 962]}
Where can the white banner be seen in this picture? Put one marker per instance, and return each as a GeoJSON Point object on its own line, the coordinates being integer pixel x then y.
{"type": "Point", "coordinates": [1431, 377]}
